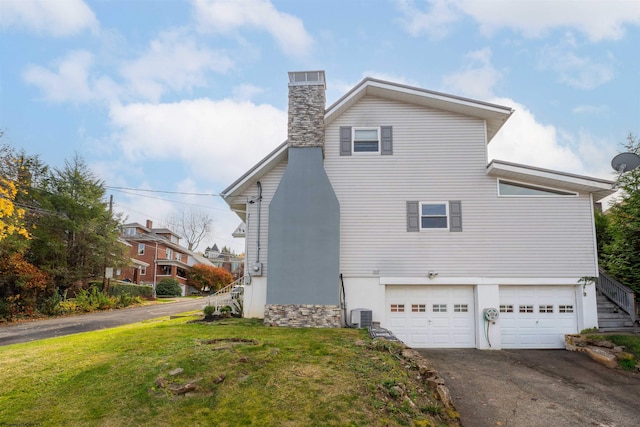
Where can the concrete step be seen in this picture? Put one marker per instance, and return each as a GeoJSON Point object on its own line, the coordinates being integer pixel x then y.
{"type": "Point", "coordinates": [621, 316]}
{"type": "Point", "coordinates": [615, 324]}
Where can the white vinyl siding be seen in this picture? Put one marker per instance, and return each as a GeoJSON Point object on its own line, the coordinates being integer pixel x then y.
{"type": "Point", "coordinates": [442, 156]}
{"type": "Point", "coordinates": [270, 182]}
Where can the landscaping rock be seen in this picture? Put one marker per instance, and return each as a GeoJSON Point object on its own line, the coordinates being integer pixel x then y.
{"type": "Point", "coordinates": [183, 389]}
{"type": "Point", "coordinates": [602, 356]}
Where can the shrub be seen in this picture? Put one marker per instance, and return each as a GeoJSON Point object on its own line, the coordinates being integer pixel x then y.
{"type": "Point", "coordinates": [68, 306]}
{"type": "Point", "coordinates": [51, 306]}
{"type": "Point", "coordinates": [208, 311]}
{"type": "Point", "coordinates": [143, 291]}
{"type": "Point", "coordinates": [93, 300]}
{"type": "Point", "coordinates": [168, 288]}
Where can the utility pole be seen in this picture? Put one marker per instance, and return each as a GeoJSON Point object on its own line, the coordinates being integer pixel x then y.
{"type": "Point", "coordinates": [106, 280]}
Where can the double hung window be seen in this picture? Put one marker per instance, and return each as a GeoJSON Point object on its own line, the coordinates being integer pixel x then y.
{"type": "Point", "coordinates": [366, 140]}
{"type": "Point", "coordinates": [434, 215]}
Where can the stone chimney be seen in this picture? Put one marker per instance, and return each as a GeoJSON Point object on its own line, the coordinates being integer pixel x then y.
{"type": "Point", "coordinates": [306, 109]}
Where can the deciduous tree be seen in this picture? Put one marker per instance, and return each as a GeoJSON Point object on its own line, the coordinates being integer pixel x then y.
{"type": "Point", "coordinates": [203, 277]}
{"type": "Point", "coordinates": [192, 225]}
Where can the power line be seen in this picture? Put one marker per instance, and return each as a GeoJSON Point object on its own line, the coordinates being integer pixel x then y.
{"type": "Point", "coordinates": [161, 191]}
{"type": "Point", "coordinates": [169, 200]}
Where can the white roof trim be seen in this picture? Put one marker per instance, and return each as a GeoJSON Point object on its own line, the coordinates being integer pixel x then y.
{"type": "Point", "coordinates": [259, 170]}
{"type": "Point", "coordinates": [495, 115]}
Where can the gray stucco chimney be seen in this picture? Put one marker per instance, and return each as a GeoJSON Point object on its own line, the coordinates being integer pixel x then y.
{"type": "Point", "coordinates": [304, 219]}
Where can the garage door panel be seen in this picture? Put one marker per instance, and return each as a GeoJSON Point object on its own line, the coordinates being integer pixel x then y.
{"type": "Point", "coordinates": [398, 322]}
{"type": "Point", "coordinates": [435, 316]}
{"type": "Point", "coordinates": [536, 316]}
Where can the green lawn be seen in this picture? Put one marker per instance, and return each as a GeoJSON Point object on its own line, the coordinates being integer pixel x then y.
{"type": "Point", "coordinates": [242, 373]}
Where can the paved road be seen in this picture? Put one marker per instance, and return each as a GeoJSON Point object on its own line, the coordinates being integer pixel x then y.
{"type": "Point", "coordinates": [36, 330]}
{"type": "Point", "coordinates": [531, 388]}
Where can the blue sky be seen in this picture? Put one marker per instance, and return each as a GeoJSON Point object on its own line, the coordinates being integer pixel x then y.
{"type": "Point", "coordinates": [186, 95]}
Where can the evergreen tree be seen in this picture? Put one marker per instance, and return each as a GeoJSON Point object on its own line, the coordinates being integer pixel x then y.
{"type": "Point", "coordinates": [77, 236]}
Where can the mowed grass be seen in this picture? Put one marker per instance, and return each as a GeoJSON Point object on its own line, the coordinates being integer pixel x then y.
{"type": "Point", "coordinates": [240, 373]}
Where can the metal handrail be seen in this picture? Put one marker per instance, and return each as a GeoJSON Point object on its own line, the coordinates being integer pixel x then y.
{"type": "Point", "coordinates": [623, 296]}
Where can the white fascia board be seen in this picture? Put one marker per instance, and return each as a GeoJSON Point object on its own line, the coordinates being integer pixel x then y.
{"type": "Point", "coordinates": [258, 170]}
{"type": "Point", "coordinates": [465, 281]}
{"type": "Point", "coordinates": [495, 115]}
{"type": "Point", "coordinates": [600, 188]}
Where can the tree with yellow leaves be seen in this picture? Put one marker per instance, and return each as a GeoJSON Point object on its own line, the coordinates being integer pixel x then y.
{"type": "Point", "coordinates": [11, 217]}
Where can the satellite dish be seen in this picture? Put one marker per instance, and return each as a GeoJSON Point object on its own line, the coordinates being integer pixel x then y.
{"type": "Point", "coordinates": [625, 162]}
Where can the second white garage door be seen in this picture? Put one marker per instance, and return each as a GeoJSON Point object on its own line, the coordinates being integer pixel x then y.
{"type": "Point", "coordinates": [537, 316]}
{"type": "Point", "coordinates": [431, 316]}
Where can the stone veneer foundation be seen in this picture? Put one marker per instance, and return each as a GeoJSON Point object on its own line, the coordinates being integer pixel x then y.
{"type": "Point", "coordinates": [303, 315]}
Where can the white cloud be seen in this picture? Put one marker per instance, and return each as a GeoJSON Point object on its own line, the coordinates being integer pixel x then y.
{"type": "Point", "coordinates": [216, 139]}
{"type": "Point", "coordinates": [581, 72]}
{"type": "Point", "coordinates": [477, 79]}
{"type": "Point", "coordinates": [591, 109]}
{"type": "Point", "coordinates": [597, 19]}
{"type": "Point", "coordinates": [174, 61]}
{"type": "Point", "coordinates": [434, 22]}
{"type": "Point", "coordinates": [225, 16]}
{"type": "Point", "coordinates": [70, 79]}
{"type": "Point", "coordinates": [246, 92]}
{"type": "Point", "coordinates": [68, 83]}
{"type": "Point", "coordinates": [58, 18]}
{"type": "Point", "coordinates": [523, 140]}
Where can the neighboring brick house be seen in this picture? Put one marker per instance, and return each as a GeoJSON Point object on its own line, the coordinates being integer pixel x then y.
{"type": "Point", "coordinates": [157, 255]}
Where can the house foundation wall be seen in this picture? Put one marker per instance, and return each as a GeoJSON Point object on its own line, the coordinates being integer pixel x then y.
{"type": "Point", "coordinates": [303, 315]}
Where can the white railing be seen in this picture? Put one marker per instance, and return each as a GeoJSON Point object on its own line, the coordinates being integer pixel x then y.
{"type": "Point", "coordinates": [226, 295]}
{"type": "Point", "coordinates": [623, 296]}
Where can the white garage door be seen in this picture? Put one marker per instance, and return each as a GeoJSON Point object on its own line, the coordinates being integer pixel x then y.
{"type": "Point", "coordinates": [537, 316]}
{"type": "Point", "coordinates": [431, 316]}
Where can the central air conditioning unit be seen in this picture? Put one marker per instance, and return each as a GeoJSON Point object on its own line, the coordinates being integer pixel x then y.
{"type": "Point", "coordinates": [361, 317]}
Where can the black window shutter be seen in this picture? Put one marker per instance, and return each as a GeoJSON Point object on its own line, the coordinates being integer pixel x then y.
{"type": "Point", "coordinates": [386, 140]}
{"type": "Point", "coordinates": [455, 215]}
{"type": "Point", "coordinates": [413, 216]}
{"type": "Point", "coordinates": [345, 140]}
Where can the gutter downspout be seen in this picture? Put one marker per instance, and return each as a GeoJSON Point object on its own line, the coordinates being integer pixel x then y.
{"type": "Point", "coordinates": [259, 205]}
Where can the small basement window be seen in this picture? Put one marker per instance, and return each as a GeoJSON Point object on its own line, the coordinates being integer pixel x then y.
{"type": "Point", "coordinates": [518, 189]}
{"type": "Point", "coordinates": [366, 140]}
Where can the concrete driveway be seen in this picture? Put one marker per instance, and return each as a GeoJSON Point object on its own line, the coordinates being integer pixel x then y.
{"type": "Point", "coordinates": [40, 329]}
{"type": "Point", "coordinates": [530, 388]}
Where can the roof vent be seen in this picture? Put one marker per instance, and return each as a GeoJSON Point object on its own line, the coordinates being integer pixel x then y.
{"type": "Point", "coordinates": [307, 78]}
